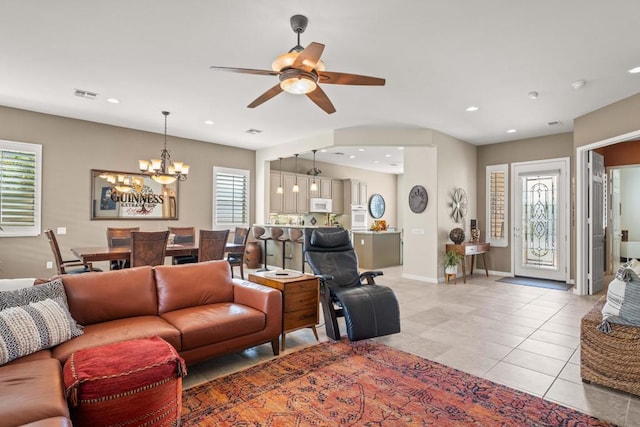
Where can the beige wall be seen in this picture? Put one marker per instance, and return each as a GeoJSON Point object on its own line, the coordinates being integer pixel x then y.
{"type": "Point", "coordinates": [547, 147]}
{"type": "Point", "coordinates": [71, 148]}
{"type": "Point", "coordinates": [613, 120]}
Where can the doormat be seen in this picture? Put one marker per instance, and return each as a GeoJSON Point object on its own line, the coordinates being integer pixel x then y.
{"type": "Point", "coordinates": [537, 283]}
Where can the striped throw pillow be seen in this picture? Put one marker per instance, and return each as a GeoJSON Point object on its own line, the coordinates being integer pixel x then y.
{"type": "Point", "coordinates": [29, 328]}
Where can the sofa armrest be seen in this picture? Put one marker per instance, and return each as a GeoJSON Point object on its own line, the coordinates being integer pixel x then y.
{"type": "Point", "coordinates": [263, 298]}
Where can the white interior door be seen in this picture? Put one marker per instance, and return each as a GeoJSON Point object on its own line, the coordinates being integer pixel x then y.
{"type": "Point", "coordinates": [595, 222]}
{"type": "Point", "coordinates": [540, 230]}
{"type": "Point", "coordinates": [614, 218]}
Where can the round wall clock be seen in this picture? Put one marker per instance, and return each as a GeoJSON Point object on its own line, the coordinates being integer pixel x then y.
{"type": "Point", "coordinates": [418, 199]}
{"type": "Point", "coordinates": [458, 205]}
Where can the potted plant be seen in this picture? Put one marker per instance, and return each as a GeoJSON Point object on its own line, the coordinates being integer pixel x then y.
{"type": "Point", "coordinates": [450, 262]}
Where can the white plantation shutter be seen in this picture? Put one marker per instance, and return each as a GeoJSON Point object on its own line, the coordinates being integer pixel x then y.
{"type": "Point", "coordinates": [231, 197]}
{"type": "Point", "coordinates": [20, 182]}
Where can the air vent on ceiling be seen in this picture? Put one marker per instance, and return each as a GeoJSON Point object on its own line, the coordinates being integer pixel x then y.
{"type": "Point", "coordinates": [339, 154]}
{"type": "Point", "coordinates": [555, 123]}
{"type": "Point", "coordinates": [86, 94]}
{"type": "Point", "coordinates": [253, 131]}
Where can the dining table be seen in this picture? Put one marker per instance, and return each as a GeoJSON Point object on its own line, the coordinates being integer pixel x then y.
{"type": "Point", "coordinates": [105, 253]}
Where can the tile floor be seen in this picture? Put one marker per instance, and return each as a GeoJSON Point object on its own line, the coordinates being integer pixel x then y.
{"type": "Point", "coordinates": [523, 337]}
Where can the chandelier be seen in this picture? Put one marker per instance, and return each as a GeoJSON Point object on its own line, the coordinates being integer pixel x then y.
{"type": "Point", "coordinates": [163, 170]}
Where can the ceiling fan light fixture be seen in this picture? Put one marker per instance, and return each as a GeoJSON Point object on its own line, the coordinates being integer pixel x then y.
{"type": "Point", "coordinates": [299, 85]}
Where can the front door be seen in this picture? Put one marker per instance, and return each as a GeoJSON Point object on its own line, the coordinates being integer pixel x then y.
{"type": "Point", "coordinates": [540, 231]}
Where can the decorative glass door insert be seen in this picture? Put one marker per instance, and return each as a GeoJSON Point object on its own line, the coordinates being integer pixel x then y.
{"type": "Point", "coordinates": [539, 221]}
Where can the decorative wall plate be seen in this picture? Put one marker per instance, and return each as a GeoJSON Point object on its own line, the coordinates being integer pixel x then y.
{"type": "Point", "coordinates": [376, 206]}
{"type": "Point", "coordinates": [459, 205]}
{"type": "Point", "coordinates": [418, 199]}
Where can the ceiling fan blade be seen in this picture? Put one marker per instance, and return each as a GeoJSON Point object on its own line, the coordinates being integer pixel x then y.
{"type": "Point", "coordinates": [309, 56]}
{"type": "Point", "coordinates": [246, 71]}
{"type": "Point", "coordinates": [349, 79]}
{"type": "Point", "coordinates": [321, 100]}
{"type": "Point", "coordinates": [266, 96]}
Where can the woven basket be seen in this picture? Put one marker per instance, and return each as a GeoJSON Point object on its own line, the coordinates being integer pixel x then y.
{"type": "Point", "coordinates": [611, 360]}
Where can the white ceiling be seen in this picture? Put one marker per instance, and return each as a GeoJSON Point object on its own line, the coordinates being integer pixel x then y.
{"type": "Point", "coordinates": [438, 57]}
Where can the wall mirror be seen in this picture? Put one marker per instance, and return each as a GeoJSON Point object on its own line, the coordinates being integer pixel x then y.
{"type": "Point", "coordinates": [127, 195]}
{"type": "Point", "coordinates": [376, 206]}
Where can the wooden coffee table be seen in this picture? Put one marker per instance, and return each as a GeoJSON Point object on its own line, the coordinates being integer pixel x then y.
{"type": "Point", "coordinates": [300, 299]}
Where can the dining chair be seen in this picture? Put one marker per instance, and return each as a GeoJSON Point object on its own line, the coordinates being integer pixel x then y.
{"type": "Point", "coordinates": [212, 244]}
{"type": "Point", "coordinates": [183, 235]}
{"type": "Point", "coordinates": [148, 247]}
{"type": "Point", "coordinates": [118, 237]}
{"type": "Point", "coordinates": [63, 265]}
{"type": "Point", "coordinates": [237, 258]}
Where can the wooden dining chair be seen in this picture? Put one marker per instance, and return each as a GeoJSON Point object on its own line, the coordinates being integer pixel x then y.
{"type": "Point", "coordinates": [118, 237]}
{"type": "Point", "coordinates": [212, 244]}
{"type": "Point", "coordinates": [237, 258]}
{"type": "Point", "coordinates": [183, 235]}
{"type": "Point", "coordinates": [148, 247]}
{"type": "Point", "coordinates": [63, 265]}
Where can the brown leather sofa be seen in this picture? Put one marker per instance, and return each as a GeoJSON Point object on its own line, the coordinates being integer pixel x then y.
{"type": "Point", "coordinates": [198, 308]}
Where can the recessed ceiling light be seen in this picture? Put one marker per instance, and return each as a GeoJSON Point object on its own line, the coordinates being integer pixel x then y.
{"type": "Point", "coordinates": [578, 84]}
{"type": "Point", "coordinates": [352, 156]}
{"type": "Point", "coordinates": [634, 70]}
{"type": "Point", "coordinates": [324, 150]}
{"type": "Point", "coordinates": [113, 100]}
{"type": "Point", "coordinates": [387, 155]}
{"type": "Point", "coordinates": [400, 148]}
{"type": "Point", "coordinates": [208, 122]}
{"type": "Point", "coordinates": [376, 161]}
{"type": "Point", "coordinates": [512, 131]}
{"type": "Point", "coordinates": [472, 108]}
{"type": "Point", "coordinates": [362, 149]}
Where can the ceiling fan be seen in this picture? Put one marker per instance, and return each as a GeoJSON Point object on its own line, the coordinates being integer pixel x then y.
{"type": "Point", "coordinates": [301, 71]}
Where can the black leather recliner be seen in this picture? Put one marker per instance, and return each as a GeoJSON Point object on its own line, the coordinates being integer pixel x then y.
{"type": "Point", "coordinates": [370, 310]}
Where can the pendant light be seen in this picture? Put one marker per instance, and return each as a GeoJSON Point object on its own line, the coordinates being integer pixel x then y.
{"type": "Point", "coordinates": [296, 189]}
{"type": "Point", "coordinates": [314, 185]}
{"type": "Point", "coordinates": [279, 189]}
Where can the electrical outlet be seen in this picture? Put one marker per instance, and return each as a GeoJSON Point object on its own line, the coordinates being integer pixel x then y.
{"type": "Point", "coordinates": [62, 230]}
{"type": "Point", "coordinates": [49, 265]}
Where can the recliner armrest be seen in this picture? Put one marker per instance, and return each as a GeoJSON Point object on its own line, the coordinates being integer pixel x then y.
{"type": "Point", "coordinates": [369, 276]}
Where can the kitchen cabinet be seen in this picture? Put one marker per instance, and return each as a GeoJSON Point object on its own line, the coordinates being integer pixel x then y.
{"type": "Point", "coordinates": [324, 190]}
{"type": "Point", "coordinates": [337, 196]}
{"type": "Point", "coordinates": [377, 249]}
{"type": "Point", "coordinates": [275, 199]}
{"type": "Point", "coordinates": [355, 192]}
{"type": "Point", "coordinates": [295, 202]}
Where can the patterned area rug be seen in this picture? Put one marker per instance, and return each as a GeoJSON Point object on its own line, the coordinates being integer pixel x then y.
{"type": "Point", "coordinates": [365, 384]}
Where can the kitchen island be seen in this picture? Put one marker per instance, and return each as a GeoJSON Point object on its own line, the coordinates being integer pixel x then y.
{"type": "Point", "coordinates": [377, 249]}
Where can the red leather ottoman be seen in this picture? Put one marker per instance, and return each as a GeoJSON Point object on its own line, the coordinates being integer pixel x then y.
{"type": "Point", "coordinates": [130, 383]}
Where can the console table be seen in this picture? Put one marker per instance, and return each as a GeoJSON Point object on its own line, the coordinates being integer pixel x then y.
{"type": "Point", "coordinates": [300, 299]}
{"type": "Point", "coordinates": [473, 249]}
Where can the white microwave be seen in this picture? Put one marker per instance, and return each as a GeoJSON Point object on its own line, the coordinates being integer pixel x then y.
{"type": "Point", "coordinates": [320, 205]}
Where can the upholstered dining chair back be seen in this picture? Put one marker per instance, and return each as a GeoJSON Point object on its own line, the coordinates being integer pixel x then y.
{"type": "Point", "coordinates": [63, 265]}
{"type": "Point", "coordinates": [183, 235]}
{"type": "Point", "coordinates": [236, 259]}
{"type": "Point", "coordinates": [212, 244]}
{"type": "Point", "coordinates": [148, 247]}
{"type": "Point", "coordinates": [119, 237]}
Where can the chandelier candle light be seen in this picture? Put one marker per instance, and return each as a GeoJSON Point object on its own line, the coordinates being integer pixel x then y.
{"type": "Point", "coordinates": [163, 170]}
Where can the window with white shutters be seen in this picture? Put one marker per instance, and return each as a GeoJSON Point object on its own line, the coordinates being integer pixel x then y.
{"type": "Point", "coordinates": [20, 188]}
{"type": "Point", "coordinates": [230, 198]}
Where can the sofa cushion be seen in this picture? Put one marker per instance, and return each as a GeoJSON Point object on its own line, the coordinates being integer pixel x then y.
{"type": "Point", "coordinates": [110, 295]}
{"type": "Point", "coordinates": [623, 298]}
{"type": "Point", "coordinates": [119, 330]}
{"type": "Point", "coordinates": [32, 391]}
{"type": "Point", "coordinates": [209, 324]}
{"type": "Point", "coordinates": [30, 328]}
{"type": "Point", "coordinates": [23, 296]}
{"type": "Point", "coordinates": [191, 285]}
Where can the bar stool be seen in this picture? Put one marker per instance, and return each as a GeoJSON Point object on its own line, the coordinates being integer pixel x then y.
{"type": "Point", "coordinates": [296, 236]}
{"type": "Point", "coordinates": [284, 238]}
{"type": "Point", "coordinates": [277, 234]}
{"type": "Point", "coordinates": [259, 233]}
